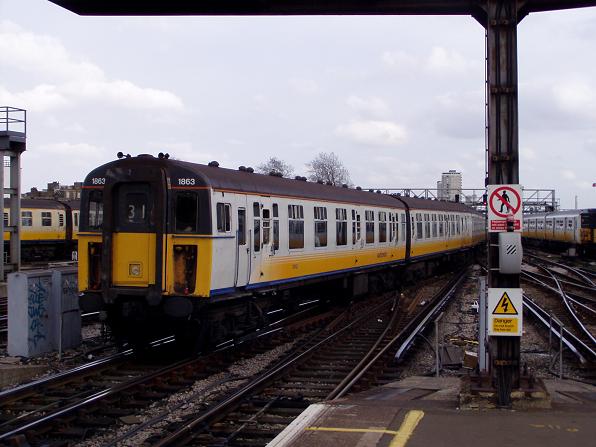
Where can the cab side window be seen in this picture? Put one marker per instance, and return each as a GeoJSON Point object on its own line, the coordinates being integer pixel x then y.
{"type": "Point", "coordinates": [187, 207]}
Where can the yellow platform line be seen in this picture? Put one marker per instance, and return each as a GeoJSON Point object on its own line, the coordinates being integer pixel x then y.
{"type": "Point", "coordinates": [400, 437]}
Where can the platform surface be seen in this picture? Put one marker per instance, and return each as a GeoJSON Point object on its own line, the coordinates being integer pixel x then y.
{"type": "Point", "coordinates": [423, 411]}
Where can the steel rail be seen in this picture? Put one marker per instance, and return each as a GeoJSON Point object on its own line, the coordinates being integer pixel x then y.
{"type": "Point", "coordinates": [571, 269]}
{"type": "Point", "coordinates": [570, 308]}
{"type": "Point", "coordinates": [563, 281]}
{"type": "Point", "coordinates": [36, 385]}
{"type": "Point", "coordinates": [420, 321]}
{"type": "Point", "coordinates": [259, 381]}
{"type": "Point", "coordinates": [542, 315]}
{"type": "Point", "coordinates": [341, 386]}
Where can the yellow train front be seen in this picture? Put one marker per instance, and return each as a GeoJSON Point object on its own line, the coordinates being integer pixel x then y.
{"type": "Point", "coordinates": [204, 252]}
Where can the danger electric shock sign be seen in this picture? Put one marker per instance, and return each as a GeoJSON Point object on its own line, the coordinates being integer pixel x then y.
{"type": "Point", "coordinates": [505, 314]}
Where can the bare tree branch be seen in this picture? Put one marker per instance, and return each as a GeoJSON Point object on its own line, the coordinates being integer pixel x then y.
{"type": "Point", "coordinates": [274, 164]}
{"type": "Point", "coordinates": [327, 167]}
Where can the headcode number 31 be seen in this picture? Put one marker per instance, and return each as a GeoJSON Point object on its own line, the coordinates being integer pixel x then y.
{"type": "Point", "coordinates": [186, 181]}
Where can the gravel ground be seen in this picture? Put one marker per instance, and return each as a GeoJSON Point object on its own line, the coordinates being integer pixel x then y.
{"type": "Point", "coordinates": [459, 327]}
{"type": "Point", "coordinates": [180, 405]}
{"type": "Point", "coordinates": [93, 341]}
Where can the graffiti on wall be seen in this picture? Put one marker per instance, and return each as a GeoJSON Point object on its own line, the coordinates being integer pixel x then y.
{"type": "Point", "coordinates": [38, 301]}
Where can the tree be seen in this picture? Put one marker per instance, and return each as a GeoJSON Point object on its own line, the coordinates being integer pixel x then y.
{"type": "Point", "coordinates": [328, 168]}
{"type": "Point", "coordinates": [274, 164]}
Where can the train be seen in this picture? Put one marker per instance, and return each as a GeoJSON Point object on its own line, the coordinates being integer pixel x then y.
{"type": "Point", "coordinates": [206, 250]}
{"type": "Point", "coordinates": [574, 230]}
{"type": "Point", "coordinates": [49, 229]}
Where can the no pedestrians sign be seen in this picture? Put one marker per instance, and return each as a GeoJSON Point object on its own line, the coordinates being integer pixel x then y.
{"type": "Point", "coordinates": [504, 203]}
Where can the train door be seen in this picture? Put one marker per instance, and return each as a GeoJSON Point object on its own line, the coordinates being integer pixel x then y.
{"type": "Point", "coordinates": [242, 248]}
{"type": "Point", "coordinates": [255, 243]}
{"type": "Point", "coordinates": [134, 236]}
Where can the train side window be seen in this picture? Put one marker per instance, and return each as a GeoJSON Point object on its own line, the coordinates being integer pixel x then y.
{"type": "Point", "coordinates": [60, 219]}
{"type": "Point", "coordinates": [27, 218]}
{"type": "Point", "coordinates": [382, 226]}
{"type": "Point", "coordinates": [223, 211]}
{"type": "Point", "coordinates": [5, 219]}
{"type": "Point", "coordinates": [256, 209]}
{"type": "Point", "coordinates": [427, 226]}
{"type": "Point", "coordinates": [434, 216]}
{"type": "Point", "coordinates": [320, 213]}
{"type": "Point", "coordinates": [369, 217]}
{"type": "Point", "coordinates": [95, 221]}
{"type": "Point", "coordinates": [295, 226]}
{"type": "Point", "coordinates": [419, 233]}
{"type": "Point", "coordinates": [46, 219]}
{"type": "Point", "coordinates": [570, 224]}
{"type": "Point", "coordinates": [341, 226]}
{"type": "Point", "coordinates": [275, 210]}
{"type": "Point", "coordinates": [403, 227]}
{"type": "Point", "coordinates": [76, 219]}
{"type": "Point", "coordinates": [187, 207]}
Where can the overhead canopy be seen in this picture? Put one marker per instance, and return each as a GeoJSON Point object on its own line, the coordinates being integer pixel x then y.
{"type": "Point", "coordinates": [474, 8]}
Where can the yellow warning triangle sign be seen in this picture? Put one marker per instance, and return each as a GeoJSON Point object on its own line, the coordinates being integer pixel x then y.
{"type": "Point", "coordinates": [505, 306]}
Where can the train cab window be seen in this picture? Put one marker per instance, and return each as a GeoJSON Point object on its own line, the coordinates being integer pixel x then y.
{"type": "Point", "coordinates": [187, 206]}
{"type": "Point", "coordinates": [320, 213]}
{"type": "Point", "coordinates": [75, 217]}
{"type": "Point", "coordinates": [382, 226]}
{"type": "Point", "coordinates": [295, 226]}
{"type": "Point", "coordinates": [27, 218]}
{"type": "Point", "coordinates": [223, 211]}
{"type": "Point", "coordinates": [341, 226]}
{"type": "Point", "coordinates": [369, 216]}
{"type": "Point", "coordinates": [46, 219]}
{"type": "Point", "coordinates": [60, 219]}
{"type": "Point", "coordinates": [95, 221]}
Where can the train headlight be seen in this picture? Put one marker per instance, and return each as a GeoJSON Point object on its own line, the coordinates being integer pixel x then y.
{"type": "Point", "coordinates": [134, 269]}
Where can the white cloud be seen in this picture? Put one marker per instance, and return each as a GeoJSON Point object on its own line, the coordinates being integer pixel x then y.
{"type": "Point", "coordinates": [575, 96]}
{"type": "Point", "coordinates": [68, 81]}
{"type": "Point", "coordinates": [377, 133]}
{"type": "Point", "coordinates": [443, 61]}
{"type": "Point", "coordinates": [527, 153]}
{"type": "Point", "coordinates": [371, 106]}
{"type": "Point", "coordinates": [400, 61]}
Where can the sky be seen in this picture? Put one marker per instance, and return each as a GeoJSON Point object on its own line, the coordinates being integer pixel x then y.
{"type": "Point", "coordinates": [400, 99]}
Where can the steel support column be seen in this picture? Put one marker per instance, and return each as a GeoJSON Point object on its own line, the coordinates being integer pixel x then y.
{"type": "Point", "coordinates": [501, 41]}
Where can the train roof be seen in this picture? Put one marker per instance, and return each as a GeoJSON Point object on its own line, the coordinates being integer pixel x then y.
{"type": "Point", "coordinates": [561, 213]}
{"type": "Point", "coordinates": [233, 180]}
{"type": "Point", "coordinates": [49, 204]}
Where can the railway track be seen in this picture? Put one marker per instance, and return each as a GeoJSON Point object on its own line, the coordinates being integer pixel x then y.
{"type": "Point", "coordinates": [569, 317]}
{"type": "Point", "coordinates": [351, 354]}
{"type": "Point", "coordinates": [68, 408]}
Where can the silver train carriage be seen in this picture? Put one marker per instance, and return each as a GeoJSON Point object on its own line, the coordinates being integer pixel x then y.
{"type": "Point", "coordinates": [203, 244]}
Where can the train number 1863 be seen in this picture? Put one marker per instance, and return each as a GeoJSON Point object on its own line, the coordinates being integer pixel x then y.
{"type": "Point", "coordinates": [98, 180]}
{"type": "Point", "coordinates": [186, 181]}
